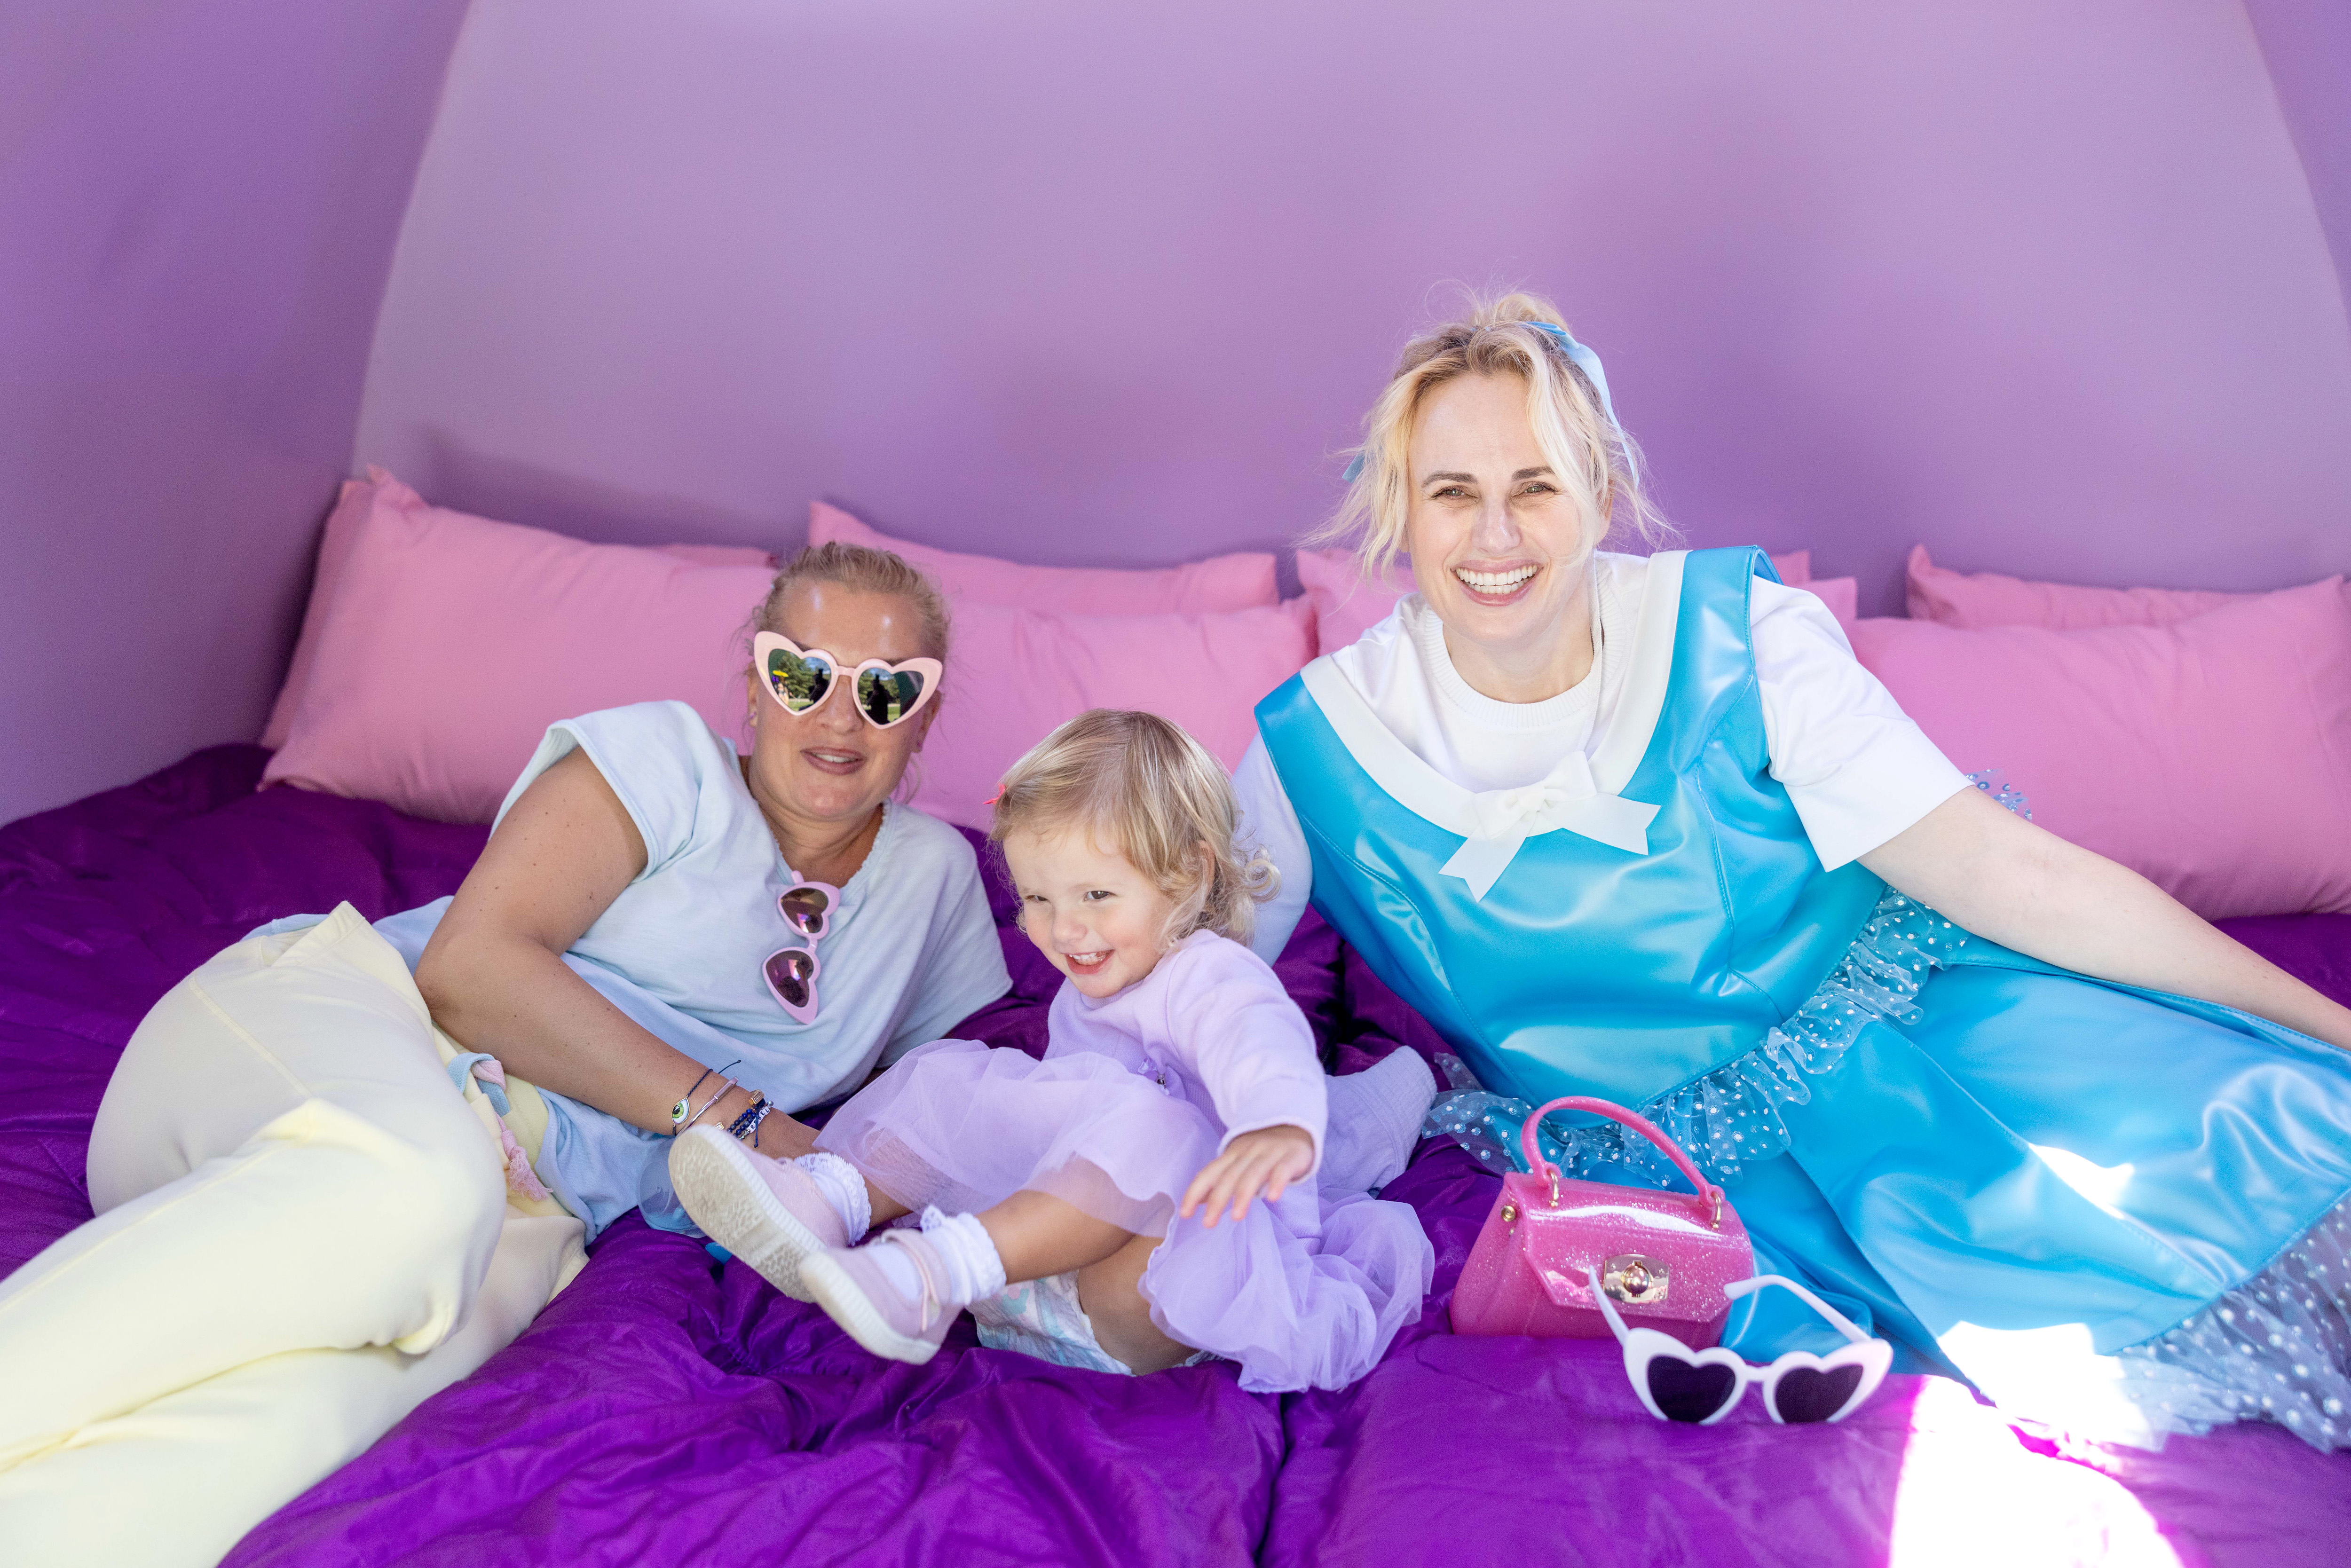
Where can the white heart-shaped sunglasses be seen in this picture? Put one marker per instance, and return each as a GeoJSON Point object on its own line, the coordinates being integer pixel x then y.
{"type": "Point", "coordinates": [1678, 1384]}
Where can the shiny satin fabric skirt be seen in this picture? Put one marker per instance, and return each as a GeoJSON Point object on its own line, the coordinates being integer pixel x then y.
{"type": "Point", "coordinates": [2112, 1210]}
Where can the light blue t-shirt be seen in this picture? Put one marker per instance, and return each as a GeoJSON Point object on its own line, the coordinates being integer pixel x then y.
{"type": "Point", "coordinates": [911, 951]}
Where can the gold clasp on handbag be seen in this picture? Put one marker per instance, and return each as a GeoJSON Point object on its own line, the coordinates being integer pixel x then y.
{"type": "Point", "coordinates": [1635, 1280]}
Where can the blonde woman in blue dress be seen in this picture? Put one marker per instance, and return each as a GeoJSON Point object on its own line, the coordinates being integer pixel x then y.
{"type": "Point", "coordinates": [1640, 826]}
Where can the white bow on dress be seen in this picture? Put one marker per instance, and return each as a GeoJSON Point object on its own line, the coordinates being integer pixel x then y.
{"type": "Point", "coordinates": [1568, 800]}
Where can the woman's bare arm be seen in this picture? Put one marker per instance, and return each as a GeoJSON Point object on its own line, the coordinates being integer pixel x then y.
{"type": "Point", "coordinates": [2000, 877]}
{"type": "Point", "coordinates": [495, 977]}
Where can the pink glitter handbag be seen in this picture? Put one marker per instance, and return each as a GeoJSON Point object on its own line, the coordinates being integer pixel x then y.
{"type": "Point", "coordinates": [1663, 1258]}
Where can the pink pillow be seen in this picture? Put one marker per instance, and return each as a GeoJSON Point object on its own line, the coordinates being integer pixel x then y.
{"type": "Point", "coordinates": [1221, 582]}
{"type": "Point", "coordinates": [440, 647]}
{"type": "Point", "coordinates": [1345, 606]}
{"type": "Point", "coordinates": [1972, 599]}
{"type": "Point", "coordinates": [1015, 674]}
{"type": "Point", "coordinates": [353, 507]}
{"type": "Point", "coordinates": [2212, 755]}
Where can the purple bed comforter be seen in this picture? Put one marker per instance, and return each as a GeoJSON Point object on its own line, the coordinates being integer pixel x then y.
{"type": "Point", "coordinates": [664, 1410]}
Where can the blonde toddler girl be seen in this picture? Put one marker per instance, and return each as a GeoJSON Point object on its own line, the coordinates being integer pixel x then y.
{"type": "Point", "coordinates": [1143, 1196]}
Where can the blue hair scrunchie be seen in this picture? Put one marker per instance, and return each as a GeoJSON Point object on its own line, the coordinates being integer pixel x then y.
{"type": "Point", "coordinates": [1578, 355]}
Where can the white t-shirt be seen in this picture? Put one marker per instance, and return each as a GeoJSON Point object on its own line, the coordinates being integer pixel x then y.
{"type": "Point", "coordinates": [1856, 769]}
{"type": "Point", "coordinates": [911, 951]}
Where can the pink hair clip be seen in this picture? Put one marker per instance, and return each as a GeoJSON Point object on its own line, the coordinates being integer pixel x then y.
{"type": "Point", "coordinates": [992, 799]}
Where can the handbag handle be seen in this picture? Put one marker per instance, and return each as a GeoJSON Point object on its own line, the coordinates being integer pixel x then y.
{"type": "Point", "coordinates": [1707, 1190]}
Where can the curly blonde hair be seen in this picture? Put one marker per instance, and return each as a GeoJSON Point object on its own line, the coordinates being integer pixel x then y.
{"type": "Point", "coordinates": [1147, 788]}
{"type": "Point", "coordinates": [1597, 462]}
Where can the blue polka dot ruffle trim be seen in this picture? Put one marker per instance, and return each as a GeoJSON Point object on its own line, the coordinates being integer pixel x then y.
{"type": "Point", "coordinates": [1729, 1119]}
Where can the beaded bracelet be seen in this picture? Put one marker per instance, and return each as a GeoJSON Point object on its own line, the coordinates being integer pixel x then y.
{"type": "Point", "coordinates": [748, 1123]}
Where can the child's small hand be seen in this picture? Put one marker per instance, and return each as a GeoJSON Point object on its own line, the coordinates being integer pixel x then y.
{"type": "Point", "coordinates": [1266, 1161]}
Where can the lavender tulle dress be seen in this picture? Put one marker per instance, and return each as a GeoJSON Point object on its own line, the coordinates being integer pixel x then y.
{"type": "Point", "coordinates": [1136, 1092]}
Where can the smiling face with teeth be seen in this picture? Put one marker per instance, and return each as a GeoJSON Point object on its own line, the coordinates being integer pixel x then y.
{"type": "Point", "coordinates": [1090, 911]}
{"type": "Point", "coordinates": [1497, 543]}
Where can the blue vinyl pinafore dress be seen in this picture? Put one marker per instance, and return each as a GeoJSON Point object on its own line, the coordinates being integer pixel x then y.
{"type": "Point", "coordinates": [2113, 1208]}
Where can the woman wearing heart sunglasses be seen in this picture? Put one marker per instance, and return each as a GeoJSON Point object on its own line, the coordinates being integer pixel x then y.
{"type": "Point", "coordinates": [664, 932]}
{"type": "Point", "coordinates": [809, 927]}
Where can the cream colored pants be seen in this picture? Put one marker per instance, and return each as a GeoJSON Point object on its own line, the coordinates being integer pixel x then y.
{"type": "Point", "coordinates": [302, 1232]}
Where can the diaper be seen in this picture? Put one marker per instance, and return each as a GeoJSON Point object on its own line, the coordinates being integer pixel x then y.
{"type": "Point", "coordinates": [1042, 1318]}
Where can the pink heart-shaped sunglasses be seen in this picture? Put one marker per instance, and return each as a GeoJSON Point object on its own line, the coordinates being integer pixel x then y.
{"type": "Point", "coordinates": [802, 678]}
{"type": "Point", "coordinates": [790, 972]}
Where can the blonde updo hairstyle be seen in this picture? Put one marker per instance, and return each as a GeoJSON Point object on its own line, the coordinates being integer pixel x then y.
{"type": "Point", "coordinates": [860, 570]}
{"type": "Point", "coordinates": [1597, 463]}
{"type": "Point", "coordinates": [1147, 788]}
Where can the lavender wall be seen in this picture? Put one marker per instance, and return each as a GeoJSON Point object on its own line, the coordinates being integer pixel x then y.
{"type": "Point", "coordinates": [197, 206]}
{"type": "Point", "coordinates": [2043, 286]}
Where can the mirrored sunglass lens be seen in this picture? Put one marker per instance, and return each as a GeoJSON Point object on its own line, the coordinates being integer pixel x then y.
{"type": "Point", "coordinates": [1687, 1391]}
{"type": "Point", "coordinates": [790, 972]}
{"type": "Point", "coordinates": [799, 683]}
{"type": "Point", "coordinates": [1804, 1395]}
{"type": "Point", "coordinates": [805, 907]}
{"type": "Point", "coordinates": [888, 695]}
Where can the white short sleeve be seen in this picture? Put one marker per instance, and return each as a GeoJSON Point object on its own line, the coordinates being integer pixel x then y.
{"type": "Point", "coordinates": [657, 757]}
{"type": "Point", "coordinates": [1857, 769]}
{"type": "Point", "coordinates": [1268, 823]}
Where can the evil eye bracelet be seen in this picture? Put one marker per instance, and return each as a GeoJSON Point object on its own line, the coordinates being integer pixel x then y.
{"type": "Point", "coordinates": [677, 1112]}
{"type": "Point", "coordinates": [747, 1125]}
{"type": "Point", "coordinates": [682, 1115]}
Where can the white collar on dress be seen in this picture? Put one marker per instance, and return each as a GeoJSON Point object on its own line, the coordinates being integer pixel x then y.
{"type": "Point", "coordinates": [1581, 795]}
